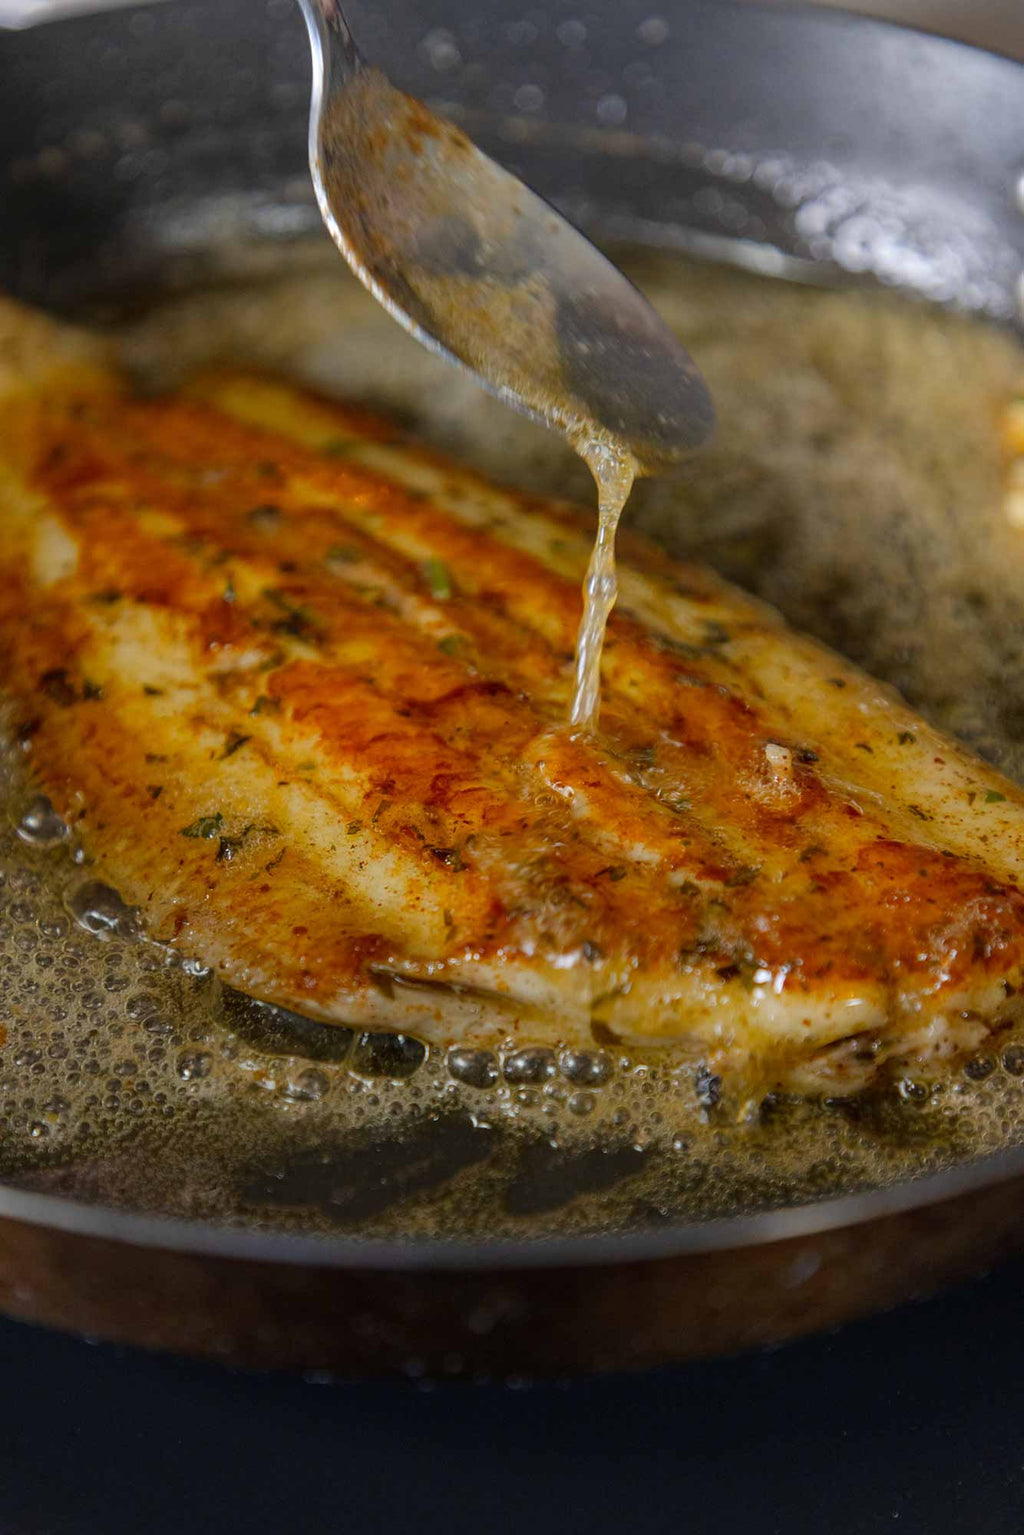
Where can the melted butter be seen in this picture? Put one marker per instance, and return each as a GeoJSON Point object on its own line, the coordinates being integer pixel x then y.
{"type": "Point", "coordinates": [614, 470]}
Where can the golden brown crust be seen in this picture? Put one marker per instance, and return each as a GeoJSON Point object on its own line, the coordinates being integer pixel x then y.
{"type": "Point", "coordinates": [302, 689]}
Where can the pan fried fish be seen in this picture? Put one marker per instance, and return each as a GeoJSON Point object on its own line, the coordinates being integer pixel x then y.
{"type": "Point", "coordinates": [302, 689]}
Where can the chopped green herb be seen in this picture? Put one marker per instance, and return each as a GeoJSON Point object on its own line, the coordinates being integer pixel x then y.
{"type": "Point", "coordinates": [233, 742]}
{"type": "Point", "coordinates": [265, 517]}
{"type": "Point", "coordinates": [451, 644]}
{"type": "Point", "coordinates": [906, 738]}
{"type": "Point", "coordinates": [154, 790]}
{"type": "Point", "coordinates": [384, 805]}
{"type": "Point", "coordinates": [681, 648]}
{"type": "Point", "coordinates": [306, 767]}
{"type": "Point", "coordinates": [743, 876]}
{"type": "Point", "coordinates": [91, 689]}
{"type": "Point", "coordinates": [922, 815]}
{"type": "Point", "coordinates": [107, 597]}
{"type": "Point", "coordinates": [300, 621]}
{"type": "Point", "coordinates": [227, 847]}
{"type": "Point", "coordinates": [687, 589]}
{"type": "Point", "coordinates": [206, 826]}
{"type": "Point", "coordinates": [862, 746]}
{"type": "Point", "coordinates": [837, 682]}
{"type": "Point", "coordinates": [266, 705]}
{"type": "Point", "coordinates": [353, 828]}
{"type": "Point", "coordinates": [437, 578]}
{"type": "Point", "coordinates": [993, 797]}
{"type": "Point", "coordinates": [715, 633]}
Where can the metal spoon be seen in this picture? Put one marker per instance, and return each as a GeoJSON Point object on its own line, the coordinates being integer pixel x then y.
{"type": "Point", "coordinates": [485, 272]}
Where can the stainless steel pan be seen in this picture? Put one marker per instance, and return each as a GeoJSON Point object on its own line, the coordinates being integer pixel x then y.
{"type": "Point", "coordinates": [165, 147]}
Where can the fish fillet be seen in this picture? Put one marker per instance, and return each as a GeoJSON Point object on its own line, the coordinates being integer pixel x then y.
{"type": "Point", "coordinates": [301, 689]}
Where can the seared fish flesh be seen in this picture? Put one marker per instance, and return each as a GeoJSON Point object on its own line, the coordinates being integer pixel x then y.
{"type": "Point", "coordinates": [302, 689]}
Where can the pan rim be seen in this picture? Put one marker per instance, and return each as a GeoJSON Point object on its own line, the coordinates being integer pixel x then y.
{"type": "Point", "coordinates": [579, 1250]}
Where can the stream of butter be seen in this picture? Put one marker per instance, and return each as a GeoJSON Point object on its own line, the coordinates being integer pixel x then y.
{"type": "Point", "coordinates": [614, 471]}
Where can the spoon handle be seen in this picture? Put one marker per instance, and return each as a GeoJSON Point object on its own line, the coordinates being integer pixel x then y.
{"type": "Point", "coordinates": [335, 55]}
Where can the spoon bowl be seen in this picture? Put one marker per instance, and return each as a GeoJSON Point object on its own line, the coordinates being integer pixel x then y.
{"type": "Point", "coordinates": [484, 271]}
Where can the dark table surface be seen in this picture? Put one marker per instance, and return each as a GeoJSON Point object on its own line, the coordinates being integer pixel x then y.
{"type": "Point", "coordinates": [913, 1421]}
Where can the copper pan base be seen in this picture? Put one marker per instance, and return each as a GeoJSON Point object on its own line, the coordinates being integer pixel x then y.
{"type": "Point", "coordinates": [533, 1322]}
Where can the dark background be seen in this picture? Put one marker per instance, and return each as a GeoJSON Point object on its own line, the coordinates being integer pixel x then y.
{"type": "Point", "coordinates": [911, 1422]}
